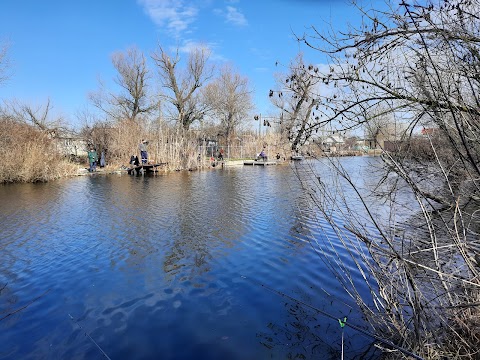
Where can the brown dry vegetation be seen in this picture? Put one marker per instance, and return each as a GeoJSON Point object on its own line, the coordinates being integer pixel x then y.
{"type": "Point", "coordinates": [177, 147]}
{"type": "Point", "coordinates": [29, 155]}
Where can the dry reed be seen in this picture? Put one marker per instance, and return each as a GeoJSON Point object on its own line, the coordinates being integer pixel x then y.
{"type": "Point", "coordinates": [29, 155]}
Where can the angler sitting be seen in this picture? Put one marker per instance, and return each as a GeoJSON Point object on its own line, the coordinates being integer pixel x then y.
{"type": "Point", "coordinates": [262, 156]}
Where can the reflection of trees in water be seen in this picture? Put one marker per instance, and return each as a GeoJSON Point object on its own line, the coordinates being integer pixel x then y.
{"type": "Point", "coordinates": [307, 335]}
{"type": "Point", "coordinates": [202, 221]}
{"type": "Point", "coordinates": [188, 251]}
{"type": "Point", "coordinates": [189, 239]}
{"type": "Point", "coordinates": [183, 217]}
{"type": "Point", "coordinates": [302, 218]}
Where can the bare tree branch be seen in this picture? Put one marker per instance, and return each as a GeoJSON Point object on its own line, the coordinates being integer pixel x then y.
{"type": "Point", "coordinates": [182, 87]}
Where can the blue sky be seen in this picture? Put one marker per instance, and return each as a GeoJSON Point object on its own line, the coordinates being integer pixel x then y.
{"type": "Point", "coordinates": [59, 48]}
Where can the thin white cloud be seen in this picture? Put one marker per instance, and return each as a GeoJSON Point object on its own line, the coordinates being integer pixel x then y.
{"type": "Point", "coordinates": [235, 17]}
{"type": "Point", "coordinates": [190, 45]}
{"type": "Point", "coordinates": [232, 15]}
{"type": "Point", "coordinates": [175, 15]}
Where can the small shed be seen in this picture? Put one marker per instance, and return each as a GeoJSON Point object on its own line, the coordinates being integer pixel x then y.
{"type": "Point", "coordinates": [69, 143]}
{"type": "Point", "coordinates": [333, 142]}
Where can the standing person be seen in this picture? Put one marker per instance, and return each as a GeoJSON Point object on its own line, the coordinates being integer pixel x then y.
{"type": "Point", "coordinates": [102, 159]}
{"type": "Point", "coordinates": [92, 159]}
{"type": "Point", "coordinates": [143, 151]}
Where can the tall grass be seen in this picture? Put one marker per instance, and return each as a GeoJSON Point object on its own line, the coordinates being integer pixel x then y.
{"type": "Point", "coordinates": [29, 155]}
{"type": "Point", "coordinates": [176, 147]}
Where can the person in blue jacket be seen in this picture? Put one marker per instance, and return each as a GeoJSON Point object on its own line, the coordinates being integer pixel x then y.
{"type": "Point", "coordinates": [143, 151]}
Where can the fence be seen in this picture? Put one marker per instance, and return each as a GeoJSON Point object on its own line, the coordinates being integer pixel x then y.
{"type": "Point", "coordinates": [228, 151]}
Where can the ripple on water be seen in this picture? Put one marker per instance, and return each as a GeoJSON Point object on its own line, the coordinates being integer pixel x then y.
{"type": "Point", "coordinates": [153, 266]}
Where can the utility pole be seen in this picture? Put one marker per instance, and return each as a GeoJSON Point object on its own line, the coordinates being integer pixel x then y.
{"type": "Point", "coordinates": [259, 125]}
{"type": "Point", "coordinates": [259, 119]}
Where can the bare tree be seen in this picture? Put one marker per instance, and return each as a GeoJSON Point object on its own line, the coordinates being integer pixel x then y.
{"type": "Point", "coordinates": [39, 117]}
{"type": "Point", "coordinates": [182, 85]}
{"type": "Point", "coordinates": [296, 97]}
{"type": "Point", "coordinates": [229, 97]}
{"type": "Point", "coordinates": [133, 99]}
{"type": "Point", "coordinates": [383, 130]}
{"type": "Point", "coordinates": [417, 61]}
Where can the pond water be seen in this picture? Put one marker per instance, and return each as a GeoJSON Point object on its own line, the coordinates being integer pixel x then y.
{"type": "Point", "coordinates": [188, 265]}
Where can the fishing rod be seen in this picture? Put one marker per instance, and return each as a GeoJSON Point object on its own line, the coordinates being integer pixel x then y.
{"type": "Point", "coordinates": [343, 322]}
{"type": "Point", "coordinates": [91, 339]}
{"type": "Point", "coordinates": [23, 307]}
{"type": "Point", "coordinates": [342, 325]}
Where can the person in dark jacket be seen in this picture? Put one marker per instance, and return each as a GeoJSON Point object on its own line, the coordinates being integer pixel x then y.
{"type": "Point", "coordinates": [134, 160]}
{"type": "Point", "coordinates": [92, 160]}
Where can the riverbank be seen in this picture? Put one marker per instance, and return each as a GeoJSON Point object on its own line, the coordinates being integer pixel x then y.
{"type": "Point", "coordinates": [34, 169]}
{"type": "Point", "coordinates": [216, 164]}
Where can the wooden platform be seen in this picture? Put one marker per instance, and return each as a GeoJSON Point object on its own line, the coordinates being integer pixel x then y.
{"type": "Point", "coordinates": [145, 168]}
{"type": "Point", "coordinates": [259, 163]}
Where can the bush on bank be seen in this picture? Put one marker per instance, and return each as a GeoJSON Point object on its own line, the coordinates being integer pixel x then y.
{"type": "Point", "coordinates": [29, 155]}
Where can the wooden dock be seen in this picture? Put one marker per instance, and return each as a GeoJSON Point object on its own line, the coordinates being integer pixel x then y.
{"type": "Point", "coordinates": [259, 163]}
{"type": "Point", "coordinates": [145, 168]}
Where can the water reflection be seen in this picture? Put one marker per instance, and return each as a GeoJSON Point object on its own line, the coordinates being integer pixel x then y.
{"type": "Point", "coordinates": [151, 267]}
